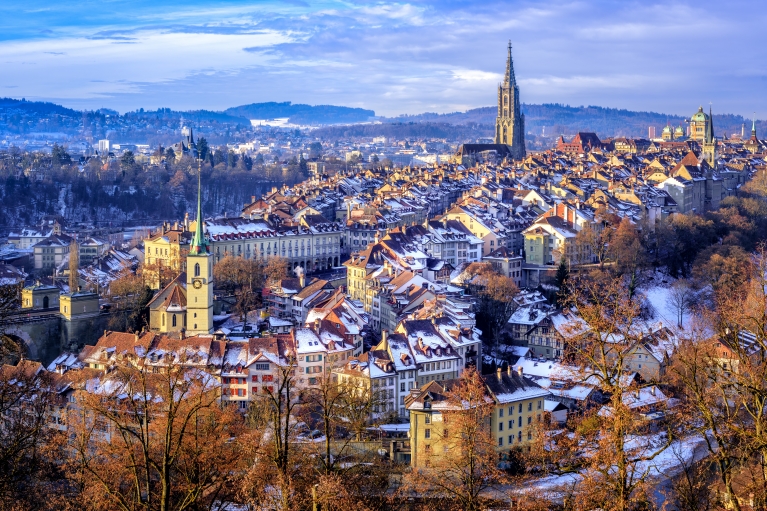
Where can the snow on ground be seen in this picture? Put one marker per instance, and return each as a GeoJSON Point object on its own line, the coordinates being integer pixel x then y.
{"type": "Point", "coordinates": [666, 464]}
{"type": "Point", "coordinates": [658, 297]}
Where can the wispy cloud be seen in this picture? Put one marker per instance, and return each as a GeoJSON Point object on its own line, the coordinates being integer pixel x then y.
{"type": "Point", "coordinates": [394, 57]}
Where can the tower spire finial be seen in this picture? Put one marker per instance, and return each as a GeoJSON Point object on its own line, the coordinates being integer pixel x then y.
{"type": "Point", "coordinates": [199, 244]}
{"type": "Point", "coordinates": [753, 126]}
{"type": "Point", "coordinates": [510, 79]}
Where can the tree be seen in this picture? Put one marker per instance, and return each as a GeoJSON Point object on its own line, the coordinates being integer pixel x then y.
{"type": "Point", "coordinates": [276, 269]}
{"type": "Point", "coordinates": [462, 460]}
{"type": "Point", "coordinates": [242, 277]}
{"type": "Point", "coordinates": [202, 148]}
{"type": "Point", "coordinates": [132, 296]}
{"type": "Point", "coordinates": [495, 294]}
{"type": "Point", "coordinates": [153, 440]}
{"type": "Point", "coordinates": [60, 156]}
{"type": "Point", "coordinates": [275, 477]}
{"type": "Point", "coordinates": [681, 298]}
{"type": "Point", "coordinates": [11, 349]}
{"type": "Point", "coordinates": [28, 446]}
{"type": "Point", "coordinates": [561, 277]}
{"type": "Point", "coordinates": [127, 160]}
{"type": "Point", "coordinates": [170, 155]}
{"type": "Point", "coordinates": [614, 474]}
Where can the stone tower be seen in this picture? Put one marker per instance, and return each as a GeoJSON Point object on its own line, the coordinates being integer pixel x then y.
{"type": "Point", "coordinates": [510, 123]}
{"type": "Point", "coordinates": [199, 278]}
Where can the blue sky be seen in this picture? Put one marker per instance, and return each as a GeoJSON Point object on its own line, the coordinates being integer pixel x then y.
{"type": "Point", "coordinates": [392, 57]}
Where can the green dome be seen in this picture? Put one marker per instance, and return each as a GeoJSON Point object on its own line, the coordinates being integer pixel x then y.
{"type": "Point", "coordinates": [667, 129]}
{"type": "Point", "coordinates": [700, 115]}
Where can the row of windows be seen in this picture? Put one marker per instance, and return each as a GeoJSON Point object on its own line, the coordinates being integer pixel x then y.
{"type": "Point", "coordinates": [529, 408]}
{"type": "Point", "coordinates": [511, 438]}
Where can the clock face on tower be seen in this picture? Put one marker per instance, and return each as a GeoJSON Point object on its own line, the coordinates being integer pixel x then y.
{"type": "Point", "coordinates": [197, 283]}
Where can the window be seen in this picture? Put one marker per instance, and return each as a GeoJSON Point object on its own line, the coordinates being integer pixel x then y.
{"type": "Point", "coordinates": [530, 419]}
{"type": "Point", "coordinates": [520, 408]}
{"type": "Point", "coordinates": [174, 320]}
{"type": "Point", "coordinates": [428, 419]}
{"type": "Point", "coordinates": [511, 410]}
{"type": "Point", "coordinates": [427, 433]}
{"type": "Point", "coordinates": [402, 387]}
{"type": "Point", "coordinates": [511, 439]}
{"type": "Point", "coordinates": [500, 426]}
{"type": "Point", "coordinates": [530, 407]}
{"type": "Point", "coordinates": [197, 269]}
{"type": "Point", "coordinates": [500, 442]}
{"type": "Point", "coordinates": [520, 425]}
{"type": "Point", "coordinates": [261, 367]}
{"type": "Point", "coordinates": [511, 423]}
{"type": "Point", "coordinates": [500, 412]}
{"type": "Point", "coordinates": [539, 404]}
{"type": "Point", "coordinates": [254, 378]}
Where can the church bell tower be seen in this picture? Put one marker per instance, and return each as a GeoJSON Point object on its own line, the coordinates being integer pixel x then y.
{"type": "Point", "coordinates": [510, 123]}
{"type": "Point", "coordinates": [199, 278]}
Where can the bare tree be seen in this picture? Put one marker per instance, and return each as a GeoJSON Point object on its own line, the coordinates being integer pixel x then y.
{"type": "Point", "coordinates": [28, 446]}
{"type": "Point", "coordinates": [146, 440]}
{"type": "Point", "coordinates": [615, 473]}
{"type": "Point", "coordinates": [681, 298]}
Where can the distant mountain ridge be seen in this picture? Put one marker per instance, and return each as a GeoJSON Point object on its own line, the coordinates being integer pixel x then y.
{"type": "Point", "coordinates": [545, 119]}
{"type": "Point", "coordinates": [562, 119]}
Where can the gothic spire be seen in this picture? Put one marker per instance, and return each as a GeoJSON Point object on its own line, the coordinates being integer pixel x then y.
{"type": "Point", "coordinates": [710, 127]}
{"type": "Point", "coordinates": [199, 244]}
{"type": "Point", "coordinates": [510, 79]}
{"type": "Point", "coordinates": [753, 126]}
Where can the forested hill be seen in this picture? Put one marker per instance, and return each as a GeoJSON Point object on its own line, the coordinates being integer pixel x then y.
{"type": "Point", "coordinates": [564, 119]}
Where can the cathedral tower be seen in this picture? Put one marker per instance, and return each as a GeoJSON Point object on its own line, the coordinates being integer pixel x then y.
{"type": "Point", "coordinates": [510, 123]}
{"type": "Point", "coordinates": [199, 278]}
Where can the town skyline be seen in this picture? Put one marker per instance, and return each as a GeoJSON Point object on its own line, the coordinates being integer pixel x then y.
{"type": "Point", "coordinates": [394, 58]}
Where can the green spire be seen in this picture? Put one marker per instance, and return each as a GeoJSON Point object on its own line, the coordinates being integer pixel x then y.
{"type": "Point", "coordinates": [753, 126]}
{"type": "Point", "coordinates": [199, 243]}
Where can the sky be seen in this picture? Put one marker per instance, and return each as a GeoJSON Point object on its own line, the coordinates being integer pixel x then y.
{"type": "Point", "coordinates": [392, 57]}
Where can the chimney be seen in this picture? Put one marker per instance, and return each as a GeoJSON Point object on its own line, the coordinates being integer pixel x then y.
{"type": "Point", "coordinates": [186, 221]}
{"type": "Point", "coordinates": [520, 371]}
{"type": "Point", "coordinates": [652, 390]}
{"type": "Point", "coordinates": [252, 199]}
{"type": "Point", "coordinates": [317, 325]}
{"type": "Point", "coordinates": [508, 369]}
{"type": "Point", "coordinates": [498, 371]}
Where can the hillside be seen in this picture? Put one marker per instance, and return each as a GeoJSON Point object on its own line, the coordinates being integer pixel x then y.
{"type": "Point", "coordinates": [564, 119]}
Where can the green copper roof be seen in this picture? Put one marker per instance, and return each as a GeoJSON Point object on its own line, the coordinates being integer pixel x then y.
{"type": "Point", "coordinates": [199, 243]}
{"type": "Point", "coordinates": [700, 115]}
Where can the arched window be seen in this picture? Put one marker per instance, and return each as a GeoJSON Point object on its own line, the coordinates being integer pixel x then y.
{"type": "Point", "coordinates": [197, 269]}
{"type": "Point", "coordinates": [174, 320]}
{"type": "Point", "coordinates": [163, 320]}
{"type": "Point", "coordinates": [504, 133]}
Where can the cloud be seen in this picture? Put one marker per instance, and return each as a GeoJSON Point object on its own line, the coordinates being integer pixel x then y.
{"type": "Point", "coordinates": [393, 57]}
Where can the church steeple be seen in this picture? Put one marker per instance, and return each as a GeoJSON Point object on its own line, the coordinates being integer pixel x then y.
{"type": "Point", "coordinates": [510, 122]}
{"type": "Point", "coordinates": [753, 127]}
{"type": "Point", "coordinates": [510, 79]}
{"type": "Point", "coordinates": [710, 127]}
{"type": "Point", "coordinates": [199, 243]}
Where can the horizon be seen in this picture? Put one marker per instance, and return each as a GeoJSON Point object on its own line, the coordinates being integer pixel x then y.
{"type": "Point", "coordinates": [393, 58]}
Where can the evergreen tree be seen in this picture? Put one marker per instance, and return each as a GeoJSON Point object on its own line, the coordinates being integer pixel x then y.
{"type": "Point", "coordinates": [561, 278]}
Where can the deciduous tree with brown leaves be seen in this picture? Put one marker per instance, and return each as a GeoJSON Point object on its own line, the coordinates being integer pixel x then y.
{"type": "Point", "coordinates": [144, 440]}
